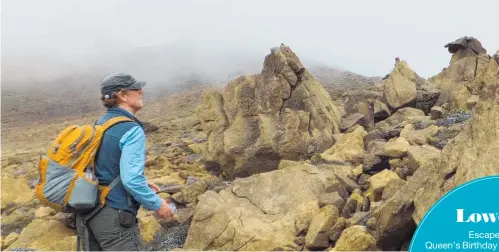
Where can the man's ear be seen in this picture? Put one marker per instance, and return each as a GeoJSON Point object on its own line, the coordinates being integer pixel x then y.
{"type": "Point", "coordinates": [120, 95]}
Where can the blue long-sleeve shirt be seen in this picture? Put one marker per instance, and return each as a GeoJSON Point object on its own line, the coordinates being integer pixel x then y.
{"type": "Point", "coordinates": [132, 163]}
{"type": "Point", "coordinates": [122, 153]}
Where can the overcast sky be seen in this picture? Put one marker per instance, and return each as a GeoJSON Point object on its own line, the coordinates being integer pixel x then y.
{"type": "Point", "coordinates": [361, 36]}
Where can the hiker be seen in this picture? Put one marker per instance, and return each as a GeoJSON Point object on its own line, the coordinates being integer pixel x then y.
{"type": "Point", "coordinates": [122, 153]}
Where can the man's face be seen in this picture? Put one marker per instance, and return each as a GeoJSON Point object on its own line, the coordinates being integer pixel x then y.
{"type": "Point", "coordinates": [134, 99]}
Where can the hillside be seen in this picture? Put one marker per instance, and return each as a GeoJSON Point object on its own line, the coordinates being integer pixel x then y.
{"type": "Point", "coordinates": [167, 69]}
{"type": "Point", "coordinates": [338, 81]}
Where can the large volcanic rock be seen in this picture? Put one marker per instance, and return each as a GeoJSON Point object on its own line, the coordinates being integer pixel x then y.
{"type": "Point", "coordinates": [472, 154]}
{"type": "Point", "coordinates": [464, 76]}
{"type": "Point", "coordinates": [467, 44]}
{"type": "Point", "coordinates": [405, 88]}
{"type": "Point", "coordinates": [400, 86]}
{"type": "Point", "coordinates": [281, 113]}
{"type": "Point", "coordinates": [266, 211]}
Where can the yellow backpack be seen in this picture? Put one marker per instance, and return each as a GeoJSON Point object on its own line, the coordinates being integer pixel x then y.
{"type": "Point", "coordinates": [67, 178]}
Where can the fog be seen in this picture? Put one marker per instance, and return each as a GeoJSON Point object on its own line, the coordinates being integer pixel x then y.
{"type": "Point", "coordinates": [164, 42]}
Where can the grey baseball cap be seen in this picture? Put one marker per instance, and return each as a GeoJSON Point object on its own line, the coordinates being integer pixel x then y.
{"type": "Point", "coordinates": [119, 81]}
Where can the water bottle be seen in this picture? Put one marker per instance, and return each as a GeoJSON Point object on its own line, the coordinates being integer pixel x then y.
{"type": "Point", "coordinates": [173, 206]}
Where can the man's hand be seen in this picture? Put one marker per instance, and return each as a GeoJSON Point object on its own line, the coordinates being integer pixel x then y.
{"type": "Point", "coordinates": [165, 211]}
{"type": "Point", "coordinates": [153, 186]}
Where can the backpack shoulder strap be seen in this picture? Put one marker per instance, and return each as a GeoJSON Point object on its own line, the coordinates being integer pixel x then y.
{"type": "Point", "coordinates": [111, 122]}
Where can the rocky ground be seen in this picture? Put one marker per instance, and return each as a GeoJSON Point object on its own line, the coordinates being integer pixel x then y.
{"type": "Point", "coordinates": [274, 161]}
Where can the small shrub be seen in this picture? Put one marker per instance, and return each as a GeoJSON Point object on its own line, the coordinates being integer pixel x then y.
{"type": "Point", "coordinates": [454, 117]}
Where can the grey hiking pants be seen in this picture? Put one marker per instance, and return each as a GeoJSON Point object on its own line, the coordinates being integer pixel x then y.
{"type": "Point", "coordinates": [106, 233]}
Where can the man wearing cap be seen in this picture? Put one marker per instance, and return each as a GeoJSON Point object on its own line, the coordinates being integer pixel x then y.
{"type": "Point", "coordinates": [122, 153]}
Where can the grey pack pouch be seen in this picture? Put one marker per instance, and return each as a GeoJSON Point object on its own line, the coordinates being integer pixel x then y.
{"type": "Point", "coordinates": [127, 219]}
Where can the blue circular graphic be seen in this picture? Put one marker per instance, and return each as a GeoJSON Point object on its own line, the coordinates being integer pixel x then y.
{"type": "Point", "coordinates": [464, 219]}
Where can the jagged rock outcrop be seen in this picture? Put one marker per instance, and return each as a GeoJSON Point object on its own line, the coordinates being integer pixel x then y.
{"type": "Point", "coordinates": [470, 155]}
{"type": "Point", "coordinates": [405, 88]}
{"type": "Point", "coordinates": [464, 45]}
{"type": "Point", "coordinates": [400, 86]}
{"type": "Point", "coordinates": [281, 113]}
{"type": "Point", "coordinates": [465, 75]}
